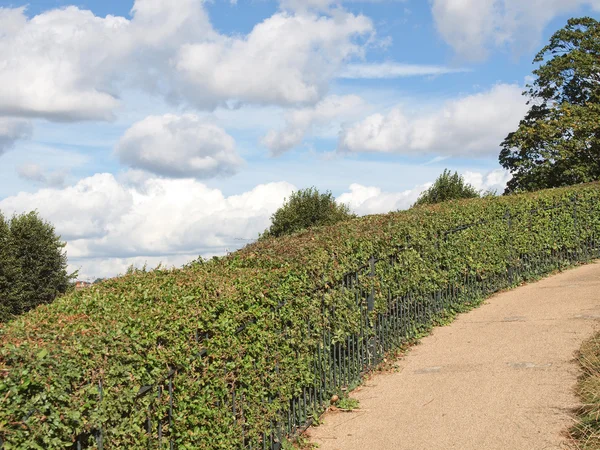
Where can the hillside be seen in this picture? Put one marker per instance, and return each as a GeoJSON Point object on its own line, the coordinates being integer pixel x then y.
{"type": "Point", "coordinates": [236, 339]}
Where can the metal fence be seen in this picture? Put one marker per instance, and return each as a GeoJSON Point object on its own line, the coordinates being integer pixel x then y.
{"type": "Point", "coordinates": [340, 362]}
{"type": "Point", "coordinates": [341, 365]}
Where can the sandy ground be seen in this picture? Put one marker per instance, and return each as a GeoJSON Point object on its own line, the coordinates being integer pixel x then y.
{"type": "Point", "coordinates": [499, 377]}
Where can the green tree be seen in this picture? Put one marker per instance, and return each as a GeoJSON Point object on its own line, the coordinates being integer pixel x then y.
{"type": "Point", "coordinates": [7, 268]}
{"type": "Point", "coordinates": [448, 186]}
{"type": "Point", "coordinates": [307, 208]}
{"type": "Point", "coordinates": [33, 264]}
{"type": "Point", "coordinates": [558, 141]}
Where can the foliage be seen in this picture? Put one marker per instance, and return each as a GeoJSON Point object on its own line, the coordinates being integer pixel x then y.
{"type": "Point", "coordinates": [7, 269]}
{"type": "Point", "coordinates": [558, 141]}
{"type": "Point", "coordinates": [587, 428]}
{"type": "Point", "coordinates": [347, 403]}
{"type": "Point", "coordinates": [448, 186]}
{"type": "Point", "coordinates": [304, 209]}
{"type": "Point", "coordinates": [33, 265]}
{"type": "Point", "coordinates": [251, 321]}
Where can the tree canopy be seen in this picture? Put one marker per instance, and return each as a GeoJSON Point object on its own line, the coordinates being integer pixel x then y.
{"type": "Point", "coordinates": [33, 264]}
{"type": "Point", "coordinates": [307, 208]}
{"type": "Point", "coordinates": [558, 141]}
{"type": "Point", "coordinates": [448, 186]}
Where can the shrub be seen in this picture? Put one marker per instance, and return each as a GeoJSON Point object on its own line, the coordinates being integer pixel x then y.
{"type": "Point", "coordinates": [307, 208]}
{"type": "Point", "coordinates": [33, 264]}
{"type": "Point", "coordinates": [247, 332]}
{"type": "Point", "coordinates": [447, 186]}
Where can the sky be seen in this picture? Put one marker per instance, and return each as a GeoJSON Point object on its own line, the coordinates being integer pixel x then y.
{"type": "Point", "coordinates": [155, 131]}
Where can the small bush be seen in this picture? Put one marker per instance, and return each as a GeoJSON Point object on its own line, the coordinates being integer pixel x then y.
{"type": "Point", "coordinates": [448, 186]}
{"type": "Point", "coordinates": [307, 208]}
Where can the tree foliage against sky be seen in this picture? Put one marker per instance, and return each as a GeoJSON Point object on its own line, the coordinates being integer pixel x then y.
{"type": "Point", "coordinates": [558, 141]}
{"type": "Point", "coordinates": [448, 186]}
{"type": "Point", "coordinates": [307, 208]}
{"type": "Point", "coordinates": [33, 264]}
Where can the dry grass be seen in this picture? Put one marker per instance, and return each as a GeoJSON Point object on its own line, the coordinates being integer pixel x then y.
{"type": "Point", "coordinates": [586, 432]}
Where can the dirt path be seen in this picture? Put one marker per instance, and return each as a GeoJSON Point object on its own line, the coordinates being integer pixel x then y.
{"type": "Point", "coordinates": [499, 377]}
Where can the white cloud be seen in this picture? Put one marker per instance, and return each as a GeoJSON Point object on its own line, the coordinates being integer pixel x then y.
{"type": "Point", "coordinates": [366, 200]}
{"type": "Point", "coordinates": [395, 70]}
{"type": "Point", "coordinates": [286, 59]}
{"type": "Point", "coordinates": [85, 211]}
{"type": "Point", "coordinates": [179, 146]}
{"type": "Point", "coordinates": [155, 219]}
{"type": "Point", "coordinates": [58, 64]}
{"type": "Point", "coordinates": [299, 122]}
{"type": "Point", "coordinates": [494, 181]}
{"type": "Point", "coordinates": [473, 27]}
{"type": "Point", "coordinates": [68, 64]}
{"type": "Point", "coordinates": [37, 174]}
{"type": "Point", "coordinates": [11, 130]}
{"type": "Point", "coordinates": [474, 125]}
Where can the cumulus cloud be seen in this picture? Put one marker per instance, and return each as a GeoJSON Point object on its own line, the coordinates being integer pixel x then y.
{"type": "Point", "coordinates": [155, 219]}
{"type": "Point", "coordinates": [299, 122]}
{"type": "Point", "coordinates": [474, 125]}
{"type": "Point", "coordinates": [11, 130]}
{"type": "Point", "coordinates": [37, 174]}
{"type": "Point", "coordinates": [366, 200]}
{"type": "Point", "coordinates": [57, 65]}
{"type": "Point", "coordinates": [285, 60]}
{"type": "Point", "coordinates": [69, 64]}
{"type": "Point", "coordinates": [395, 70]}
{"type": "Point", "coordinates": [473, 27]}
{"type": "Point", "coordinates": [494, 181]}
{"type": "Point", "coordinates": [179, 146]}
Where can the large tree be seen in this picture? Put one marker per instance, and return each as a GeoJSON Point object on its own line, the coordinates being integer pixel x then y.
{"type": "Point", "coordinates": [448, 186]}
{"type": "Point", "coordinates": [33, 264]}
{"type": "Point", "coordinates": [558, 141]}
{"type": "Point", "coordinates": [307, 208]}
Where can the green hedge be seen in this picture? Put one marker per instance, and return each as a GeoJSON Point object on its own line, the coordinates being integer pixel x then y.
{"type": "Point", "coordinates": [250, 324]}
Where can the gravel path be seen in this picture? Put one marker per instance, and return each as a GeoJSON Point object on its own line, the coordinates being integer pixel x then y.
{"type": "Point", "coordinates": [499, 377]}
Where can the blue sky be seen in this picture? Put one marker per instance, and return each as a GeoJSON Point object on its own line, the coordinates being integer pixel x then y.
{"type": "Point", "coordinates": [155, 131]}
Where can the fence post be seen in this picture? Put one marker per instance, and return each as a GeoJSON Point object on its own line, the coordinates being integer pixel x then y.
{"type": "Point", "coordinates": [370, 308]}
{"type": "Point", "coordinates": [574, 201]}
{"type": "Point", "coordinates": [508, 218]}
{"type": "Point", "coordinates": [99, 434]}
